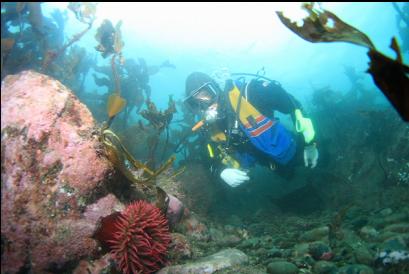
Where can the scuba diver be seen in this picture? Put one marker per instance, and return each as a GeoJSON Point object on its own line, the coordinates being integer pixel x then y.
{"type": "Point", "coordinates": [239, 127]}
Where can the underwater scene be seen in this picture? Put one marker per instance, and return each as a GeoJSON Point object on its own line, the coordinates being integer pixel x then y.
{"type": "Point", "coordinates": [205, 137]}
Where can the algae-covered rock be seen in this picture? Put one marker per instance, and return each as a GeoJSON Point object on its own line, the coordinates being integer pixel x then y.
{"type": "Point", "coordinates": [301, 250]}
{"type": "Point", "coordinates": [51, 174]}
{"type": "Point", "coordinates": [221, 260]}
{"type": "Point", "coordinates": [399, 228]}
{"type": "Point", "coordinates": [192, 227]}
{"type": "Point", "coordinates": [320, 251]}
{"type": "Point", "coordinates": [386, 212]}
{"type": "Point", "coordinates": [395, 218]}
{"type": "Point", "coordinates": [179, 248]}
{"type": "Point", "coordinates": [316, 234]}
{"type": "Point", "coordinates": [396, 243]}
{"type": "Point", "coordinates": [368, 233]}
{"type": "Point", "coordinates": [355, 269]}
{"type": "Point", "coordinates": [324, 267]}
{"type": "Point", "coordinates": [282, 267]}
{"type": "Point", "coordinates": [364, 256]}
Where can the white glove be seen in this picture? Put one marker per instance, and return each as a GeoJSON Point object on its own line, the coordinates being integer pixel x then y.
{"type": "Point", "coordinates": [311, 155]}
{"type": "Point", "coordinates": [234, 177]}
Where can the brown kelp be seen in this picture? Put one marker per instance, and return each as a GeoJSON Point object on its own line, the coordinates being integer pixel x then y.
{"type": "Point", "coordinates": [335, 232]}
{"type": "Point", "coordinates": [6, 46]}
{"type": "Point", "coordinates": [324, 26]}
{"type": "Point", "coordinates": [390, 76]}
{"type": "Point", "coordinates": [36, 17]}
{"type": "Point", "coordinates": [120, 157]}
{"type": "Point", "coordinates": [109, 38]}
{"type": "Point", "coordinates": [160, 121]}
{"type": "Point", "coordinates": [31, 37]}
{"type": "Point", "coordinates": [111, 43]}
{"type": "Point", "coordinates": [141, 176]}
{"type": "Point", "coordinates": [115, 104]}
{"type": "Point", "coordinates": [85, 13]}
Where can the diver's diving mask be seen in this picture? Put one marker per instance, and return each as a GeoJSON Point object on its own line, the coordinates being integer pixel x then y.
{"type": "Point", "coordinates": [202, 97]}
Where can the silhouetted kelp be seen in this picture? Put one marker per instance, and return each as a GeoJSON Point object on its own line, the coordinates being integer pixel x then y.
{"type": "Point", "coordinates": [391, 76]}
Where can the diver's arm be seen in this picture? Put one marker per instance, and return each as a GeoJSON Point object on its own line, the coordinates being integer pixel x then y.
{"type": "Point", "coordinates": [304, 126]}
{"type": "Point", "coordinates": [302, 123]}
{"type": "Point", "coordinates": [270, 96]}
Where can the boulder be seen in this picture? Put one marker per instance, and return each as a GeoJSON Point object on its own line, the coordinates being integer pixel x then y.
{"type": "Point", "coordinates": [221, 260]}
{"type": "Point", "coordinates": [282, 267]}
{"type": "Point", "coordinates": [316, 234]}
{"type": "Point", "coordinates": [324, 267]}
{"type": "Point", "coordinates": [180, 248]}
{"type": "Point", "coordinates": [52, 174]}
{"type": "Point", "coordinates": [355, 269]}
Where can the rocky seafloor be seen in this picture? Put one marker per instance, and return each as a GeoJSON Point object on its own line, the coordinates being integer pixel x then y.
{"type": "Point", "coordinates": [363, 241]}
{"type": "Point", "coordinates": [366, 242]}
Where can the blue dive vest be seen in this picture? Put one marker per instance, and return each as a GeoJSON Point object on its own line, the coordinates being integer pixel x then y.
{"type": "Point", "coordinates": [267, 135]}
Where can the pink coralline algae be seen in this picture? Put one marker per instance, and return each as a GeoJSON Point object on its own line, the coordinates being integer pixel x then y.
{"type": "Point", "coordinates": [102, 265]}
{"type": "Point", "coordinates": [192, 227]}
{"type": "Point", "coordinates": [52, 176]}
{"type": "Point", "coordinates": [179, 248]}
{"type": "Point", "coordinates": [327, 256]}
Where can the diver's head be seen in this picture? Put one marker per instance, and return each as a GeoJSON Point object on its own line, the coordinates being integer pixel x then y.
{"type": "Point", "coordinates": [202, 93]}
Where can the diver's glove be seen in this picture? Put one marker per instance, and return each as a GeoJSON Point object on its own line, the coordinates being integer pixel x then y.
{"type": "Point", "coordinates": [304, 125]}
{"type": "Point", "coordinates": [233, 176]}
{"type": "Point", "coordinates": [311, 155]}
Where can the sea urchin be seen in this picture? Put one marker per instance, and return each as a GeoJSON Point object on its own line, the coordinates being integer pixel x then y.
{"type": "Point", "coordinates": [141, 238]}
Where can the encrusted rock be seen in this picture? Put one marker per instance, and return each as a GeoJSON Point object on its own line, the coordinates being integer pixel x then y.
{"type": "Point", "coordinates": [222, 260]}
{"type": "Point", "coordinates": [363, 255]}
{"type": "Point", "coordinates": [193, 228]}
{"type": "Point", "coordinates": [368, 233]}
{"type": "Point", "coordinates": [320, 251]}
{"type": "Point", "coordinates": [179, 248]}
{"type": "Point", "coordinates": [324, 267]}
{"type": "Point", "coordinates": [316, 234]}
{"type": "Point", "coordinates": [355, 268]}
{"type": "Point", "coordinates": [51, 171]}
{"type": "Point", "coordinates": [105, 264]}
{"type": "Point", "coordinates": [282, 267]}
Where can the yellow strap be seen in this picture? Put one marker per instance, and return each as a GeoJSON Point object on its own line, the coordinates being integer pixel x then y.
{"type": "Point", "coordinates": [210, 150]}
{"type": "Point", "coordinates": [246, 109]}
